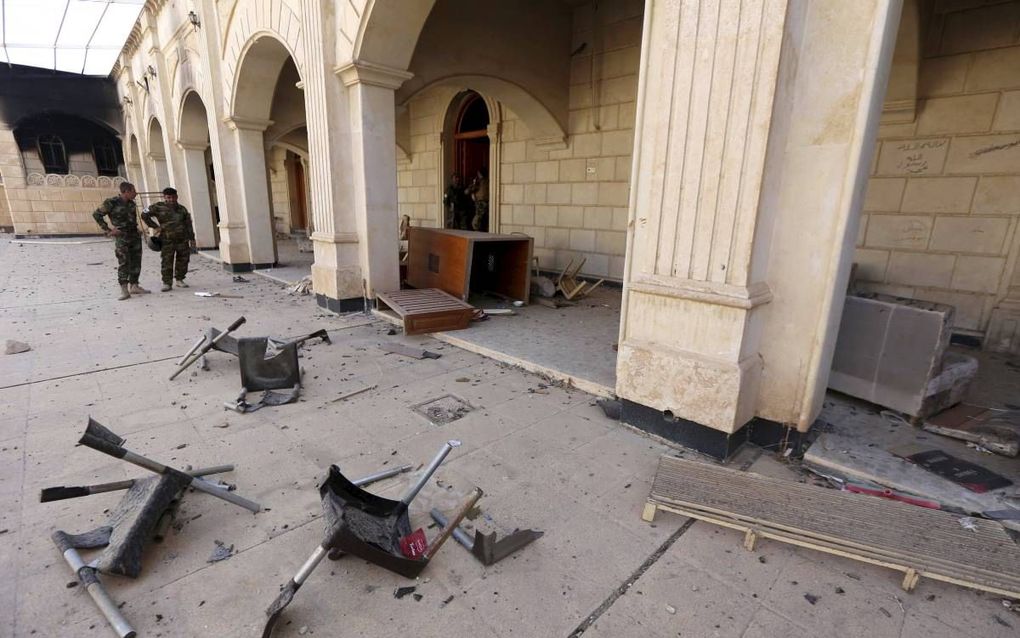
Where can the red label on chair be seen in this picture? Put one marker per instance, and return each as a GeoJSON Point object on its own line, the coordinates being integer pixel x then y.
{"type": "Point", "coordinates": [414, 544]}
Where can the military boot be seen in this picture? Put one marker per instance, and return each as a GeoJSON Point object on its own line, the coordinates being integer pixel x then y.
{"type": "Point", "coordinates": [165, 288]}
{"type": "Point", "coordinates": [181, 284]}
{"type": "Point", "coordinates": [124, 293]}
{"type": "Point", "coordinates": [138, 290]}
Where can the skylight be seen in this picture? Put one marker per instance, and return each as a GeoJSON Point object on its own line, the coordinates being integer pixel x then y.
{"type": "Point", "coordinates": [77, 36]}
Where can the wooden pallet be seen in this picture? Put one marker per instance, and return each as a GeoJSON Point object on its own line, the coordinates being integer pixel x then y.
{"type": "Point", "coordinates": [916, 541]}
{"type": "Point", "coordinates": [424, 311]}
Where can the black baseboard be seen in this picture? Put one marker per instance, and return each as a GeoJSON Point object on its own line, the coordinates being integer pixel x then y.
{"type": "Point", "coordinates": [970, 341]}
{"type": "Point", "coordinates": [245, 267]}
{"type": "Point", "coordinates": [709, 441]}
{"type": "Point", "coordinates": [340, 306]}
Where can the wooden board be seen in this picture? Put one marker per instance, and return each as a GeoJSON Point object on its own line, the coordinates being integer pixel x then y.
{"type": "Point", "coordinates": [425, 311]}
{"type": "Point", "coordinates": [914, 540]}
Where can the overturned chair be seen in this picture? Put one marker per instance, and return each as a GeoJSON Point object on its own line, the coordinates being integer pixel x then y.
{"type": "Point", "coordinates": [143, 514]}
{"type": "Point", "coordinates": [371, 527]}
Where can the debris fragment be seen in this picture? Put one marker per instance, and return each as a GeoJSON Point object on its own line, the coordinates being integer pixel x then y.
{"type": "Point", "coordinates": [241, 280]}
{"type": "Point", "coordinates": [302, 286]}
{"type": "Point", "coordinates": [16, 347]}
{"type": "Point", "coordinates": [670, 609]}
{"type": "Point", "coordinates": [1001, 621]}
{"type": "Point", "coordinates": [885, 611]}
{"type": "Point", "coordinates": [811, 598]}
{"type": "Point", "coordinates": [400, 592]}
{"type": "Point", "coordinates": [303, 630]}
{"type": "Point", "coordinates": [447, 601]}
{"type": "Point", "coordinates": [220, 552]}
{"type": "Point", "coordinates": [408, 351]}
{"type": "Point", "coordinates": [218, 294]}
{"type": "Point", "coordinates": [969, 523]}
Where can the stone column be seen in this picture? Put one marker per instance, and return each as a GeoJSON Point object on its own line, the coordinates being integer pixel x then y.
{"type": "Point", "coordinates": [370, 89]}
{"type": "Point", "coordinates": [195, 193]}
{"type": "Point", "coordinates": [253, 192]}
{"type": "Point", "coordinates": [233, 236]}
{"type": "Point", "coordinates": [755, 124]}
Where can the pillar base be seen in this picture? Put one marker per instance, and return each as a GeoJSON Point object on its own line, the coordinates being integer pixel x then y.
{"type": "Point", "coordinates": [246, 267]}
{"type": "Point", "coordinates": [340, 306]}
{"type": "Point", "coordinates": [709, 441]}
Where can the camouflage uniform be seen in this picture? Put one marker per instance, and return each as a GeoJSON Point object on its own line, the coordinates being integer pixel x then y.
{"type": "Point", "coordinates": [176, 233]}
{"type": "Point", "coordinates": [127, 245]}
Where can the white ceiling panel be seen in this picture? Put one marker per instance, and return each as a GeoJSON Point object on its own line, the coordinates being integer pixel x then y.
{"type": "Point", "coordinates": [77, 36]}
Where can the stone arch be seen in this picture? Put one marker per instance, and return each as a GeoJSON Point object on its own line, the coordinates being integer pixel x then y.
{"type": "Point", "coordinates": [279, 22]}
{"type": "Point", "coordinates": [389, 31]}
{"type": "Point", "coordinates": [187, 74]}
{"type": "Point", "coordinates": [900, 105]}
{"type": "Point", "coordinates": [251, 95]}
{"type": "Point", "coordinates": [539, 119]}
{"type": "Point", "coordinates": [193, 120]}
{"type": "Point", "coordinates": [155, 145]}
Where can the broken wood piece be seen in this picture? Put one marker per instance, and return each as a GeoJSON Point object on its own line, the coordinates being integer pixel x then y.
{"type": "Point", "coordinates": [995, 430]}
{"type": "Point", "coordinates": [354, 393]}
{"type": "Point", "coordinates": [218, 294]}
{"type": "Point", "coordinates": [916, 541]}
{"type": "Point", "coordinates": [499, 312]}
{"type": "Point", "coordinates": [408, 351]}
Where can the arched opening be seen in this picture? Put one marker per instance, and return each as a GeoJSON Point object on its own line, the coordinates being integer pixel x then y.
{"type": "Point", "coordinates": [268, 105]}
{"type": "Point", "coordinates": [467, 157]}
{"type": "Point", "coordinates": [133, 162]}
{"type": "Point", "coordinates": [159, 174]}
{"type": "Point", "coordinates": [199, 190]}
{"type": "Point", "coordinates": [55, 143]}
{"type": "Point", "coordinates": [287, 142]}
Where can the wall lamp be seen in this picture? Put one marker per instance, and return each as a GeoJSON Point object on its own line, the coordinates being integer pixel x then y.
{"type": "Point", "coordinates": [193, 18]}
{"type": "Point", "coordinates": [151, 70]}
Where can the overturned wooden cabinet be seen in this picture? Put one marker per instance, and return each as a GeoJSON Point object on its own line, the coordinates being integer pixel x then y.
{"type": "Point", "coordinates": [462, 261]}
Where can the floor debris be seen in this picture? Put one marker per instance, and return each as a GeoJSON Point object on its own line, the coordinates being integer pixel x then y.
{"type": "Point", "coordinates": [401, 592]}
{"type": "Point", "coordinates": [994, 430]}
{"type": "Point", "coordinates": [16, 347]}
{"type": "Point", "coordinates": [408, 351]}
{"type": "Point", "coordinates": [221, 552]}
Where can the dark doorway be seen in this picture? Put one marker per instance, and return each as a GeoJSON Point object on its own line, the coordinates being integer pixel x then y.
{"type": "Point", "coordinates": [471, 139]}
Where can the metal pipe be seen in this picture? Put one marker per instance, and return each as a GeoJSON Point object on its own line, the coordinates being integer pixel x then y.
{"type": "Point", "coordinates": [313, 561]}
{"type": "Point", "coordinates": [203, 485]}
{"type": "Point", "coordinates": [384, 474]}
{"type": "Point", "coordinates": [459, 534]}
{"type": "Point", "coordinates": [429, 471]}
{"type": "Point", "coordinates": [88, 578]}
{"type": "Point", "coordinates": [194, 348]}
{"type": "Point", "coordinates": [458, 516]}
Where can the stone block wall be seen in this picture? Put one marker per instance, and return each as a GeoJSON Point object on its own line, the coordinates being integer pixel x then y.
{"type": "Point", "coordinates": [5, 211]}
{"type": "Point", "coordinates": [279, 190]}
{"type": "Point", "coordinates": [572, 199]}
{"type": "Point", "coordinates": [942, 209]}
{"type": "Point", "coordinates": [59, 208]}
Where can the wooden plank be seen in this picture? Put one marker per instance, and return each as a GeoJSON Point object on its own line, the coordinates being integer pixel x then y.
{"type": "Point", "coordinates": [932, 542]}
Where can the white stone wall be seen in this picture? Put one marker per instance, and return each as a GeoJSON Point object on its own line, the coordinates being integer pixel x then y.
{"type": "Point", "coordinates": [572, 200]}
{"type": "Point", "coordinates": [943, 203]}
{"type": "Point", "coordinates": [5, 211]}
{"type": "Point", "coordinates": [279, 189]}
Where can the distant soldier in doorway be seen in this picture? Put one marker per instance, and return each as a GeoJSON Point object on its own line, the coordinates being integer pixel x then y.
{"type": "Point", "coordinates": [479, 191]}
{"type": "Point", "coordinates": [174, 223]}
{"type": "Point", "coordinates": [458, 204]}
{"type": "Point", "coordinates": [127, 240]}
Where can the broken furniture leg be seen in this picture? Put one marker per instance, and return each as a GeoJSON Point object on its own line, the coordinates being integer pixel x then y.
{"type": "Point", "coordinates": [89, 579]}
{"type": "Point", "coordinates": [485, 547]}
{"type": "Point", "coordinates": [101, 439]}
{"type": "Point", "coordinates": [207, 345]}
{"type": "Point", "coordinates": [287, 591]}
{"type": "Point", "coordinates": [50, 494]}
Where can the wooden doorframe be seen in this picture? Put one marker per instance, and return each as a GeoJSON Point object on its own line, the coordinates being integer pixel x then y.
{"type": "Point", "coordinates": [296, 188]}
{"type": "Point", "coordinates": [448, 142]}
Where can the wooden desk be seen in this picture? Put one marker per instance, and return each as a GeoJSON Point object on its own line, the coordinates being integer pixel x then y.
{"type": "Point", "coordinates": [459, 261]}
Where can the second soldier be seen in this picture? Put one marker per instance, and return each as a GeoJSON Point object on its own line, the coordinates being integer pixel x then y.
{"type": "Point", "coordinates": [174, 223]}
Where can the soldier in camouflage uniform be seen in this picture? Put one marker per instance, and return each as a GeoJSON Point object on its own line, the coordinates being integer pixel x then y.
{"type": "Point", "coordinates": [174, 224]}
{"type": "Point", "coordinates": [127, 239]}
